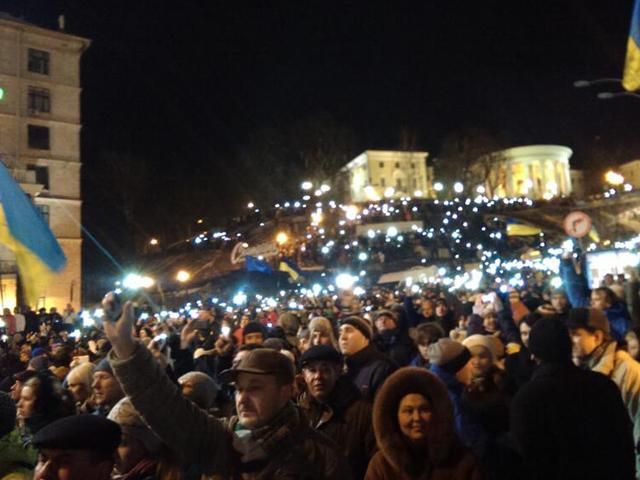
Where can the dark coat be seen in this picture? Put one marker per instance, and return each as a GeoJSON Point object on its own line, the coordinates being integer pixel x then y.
{"type": "Point", "coordinates": [572, 424]}
{"type": "Point", "coordinates": [397, 345]}
{"type": "Point", "coordinates": [519, 368]}
{"type": "Point", "coordinates": [368, 369]}
{"type": "Point", "coordinates": [442, 458]}
{"type": "Point", "coordinates": [345, 419]}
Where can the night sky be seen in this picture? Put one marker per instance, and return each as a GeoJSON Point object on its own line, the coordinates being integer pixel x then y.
{"type": "Point", "coordinates": [178, 89]}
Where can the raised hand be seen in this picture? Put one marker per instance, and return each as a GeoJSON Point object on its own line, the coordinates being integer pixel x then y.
{"type": "Point", "coordinates": [120, 332]}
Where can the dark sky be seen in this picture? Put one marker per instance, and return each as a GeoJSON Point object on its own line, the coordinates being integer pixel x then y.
{"type": "Point", "coordinates": [180, 86]}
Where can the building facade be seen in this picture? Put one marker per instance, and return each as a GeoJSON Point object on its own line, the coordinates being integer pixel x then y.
{"type": "Point", "coordinates": [533, 171]}
{"type": "Point", "coordinates": [631, 173]}
{"type": "Point", "coordinates": [40, 143]}
{"type": "Point", "coordinates": [377, 174]}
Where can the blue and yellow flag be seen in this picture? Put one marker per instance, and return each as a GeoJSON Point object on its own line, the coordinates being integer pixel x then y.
{"type": "Point", "coordinates": [289, 266]}
{"type": "Point", "coordinates": [25, 233]}
{"type": "Point", "coordinates": [516, 229]}
{"type": "Point", "coordinates": [631, 76]}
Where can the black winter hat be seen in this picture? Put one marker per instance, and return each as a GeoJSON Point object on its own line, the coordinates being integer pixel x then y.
{"type": "Point", "coordinates": [79, 432]}
{"type": "Point", "coordinates": [325, 353]}
{"type": "Point", "coordinates": [253, 327]}
{"type": "Point", "coordinates": [549, 341]}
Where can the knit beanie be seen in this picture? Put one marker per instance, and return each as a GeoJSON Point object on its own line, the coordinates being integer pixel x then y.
{"type": "Point", "coordinates": [7, 414]}
{"type": "Point", "coordinates": [448, 354]}
{"type": "Point", "coordinates": [132, 424]}
{"type": "Point", "coordinates": [360, 324]}
{"type": "Point", "coordinates": [323, 325]}
{"type": "Point", "coordinates": [549, 341]}
{"type": "Point", "coordinates": [103, 366]}
{"type": "Point", "coordinates": [205, 390]}
{"type": "Point", "coordinates": [39, 363]}
{"type": "Point", "coordinates": [491, 343]}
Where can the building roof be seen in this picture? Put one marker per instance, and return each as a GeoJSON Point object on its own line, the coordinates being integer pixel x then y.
{"type": "Point", "coordinates": [7, 18]}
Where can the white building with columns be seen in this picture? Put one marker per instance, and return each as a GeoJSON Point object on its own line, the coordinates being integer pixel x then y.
{"type": "Point", "coordinates": [40, 143]}
{"type": "Point", "coordinates": [533, 171]}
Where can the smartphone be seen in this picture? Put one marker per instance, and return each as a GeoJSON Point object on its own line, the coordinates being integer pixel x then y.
{"type": "Point", "coordinates": [112, 306]}
{"type": "Point", "coordinates": [225, 330]}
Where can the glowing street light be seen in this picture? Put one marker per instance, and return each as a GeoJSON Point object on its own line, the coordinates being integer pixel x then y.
{"type": "Point", "coordinates": [438, 186]}
{"type": "Point", "coordinates": [183, 276]}
{"type": "Point", "coordinates": [613, 178]}
{"type": "Point", "coordinates": [389, 191]}
{"type": "Point", "coordinates": [153, 241]}
{"type": "Point", "coordinates": [458, 187]}
{"type": "Point", "coordinates": [307, 185]}
{"type": "Point", "coordinates": [325, 188]}
{"type": "Point", "coordinates": [282, 238]}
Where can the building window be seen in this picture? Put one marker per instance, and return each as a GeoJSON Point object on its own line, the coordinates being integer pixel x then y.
{"type": "Point", "coordinates": [38, 61]}
{"type": "Point", "coordinates": [44, 211]}
{"type": "Point", "coordinates": [39, 100]}
{"type": "Point", "coordinates": [399, 184]}
{"type": "Point", "coordinates": [42, 174]}
{"type": "Point", "coordinates": [413, 165]}
{"type": "Point", "coordinates": [415, 183]}
{"type": "Point", "coordinates": [38, 137]}
{"type": "Point", "coordinates": [381, 164]}
{"type": "Point", "coordinates": [383, 182]}
{"type": "Point", "coordinates": [397, 164]}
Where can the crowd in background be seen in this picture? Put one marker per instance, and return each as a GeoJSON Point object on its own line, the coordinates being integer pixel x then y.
{"type": "Point", "coordinates": [533, 382]}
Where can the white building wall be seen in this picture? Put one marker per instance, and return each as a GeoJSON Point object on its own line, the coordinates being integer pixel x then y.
{"type": "Point", "coordinates": [62, 195]}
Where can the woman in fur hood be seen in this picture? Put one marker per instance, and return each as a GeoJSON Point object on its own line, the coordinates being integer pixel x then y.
{"type": "Point", "coordinates": [413, 424]}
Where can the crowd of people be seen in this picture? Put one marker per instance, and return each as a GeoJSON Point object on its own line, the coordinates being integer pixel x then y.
{"type": "Point", "coordinates": [535, 382]}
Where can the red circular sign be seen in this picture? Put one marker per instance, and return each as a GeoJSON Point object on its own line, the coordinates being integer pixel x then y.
{"type": "Point", "coordinates": [577, 224]}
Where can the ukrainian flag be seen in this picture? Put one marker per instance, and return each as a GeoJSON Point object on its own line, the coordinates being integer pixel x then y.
{"type": "Point", "coordinates": [631, 77]}
{"type": "Point", "coordinates": [291, 268]}
{"type": "Point", "coordinates": [516, 229]}
{"type": "Point", "coordinates": [25, 233]}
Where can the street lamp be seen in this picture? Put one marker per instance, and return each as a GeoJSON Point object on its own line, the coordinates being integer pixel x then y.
{"type": "Point", "coordinates": [282, 238]}
{"type": "Point", "coordinates": [306, 185]}
{"type": "Point", "coordinates": [613, 178]}
{"type": "Point", "coordinates": [153, 241]}
{"type": "Point", "coordinates": [438, 186]}
{"type": "Point", "coordinates": [183, 276]}
{"type": "Point", "coordinates": [458, 187]}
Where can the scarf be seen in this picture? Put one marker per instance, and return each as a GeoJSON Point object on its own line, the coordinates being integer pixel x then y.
{"type": "Point", "coordinates": [144, 468]}
{"type": "Point", "coordinates": [259, 446]}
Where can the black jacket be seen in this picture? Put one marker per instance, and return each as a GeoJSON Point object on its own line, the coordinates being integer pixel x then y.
{"type": "Point", "coordinates": [345, 419]}
{"type": "Point", "coordinates": [368, 369]}
{"type": "Point", "coordinates": [572, 424]}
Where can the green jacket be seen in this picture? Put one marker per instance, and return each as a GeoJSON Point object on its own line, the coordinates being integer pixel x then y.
{"type": "Point", "coordinates": [16, 461]}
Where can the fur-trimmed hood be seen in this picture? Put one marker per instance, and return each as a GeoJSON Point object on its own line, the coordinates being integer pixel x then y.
{"type": "Point", "coordinates": [441, 440]}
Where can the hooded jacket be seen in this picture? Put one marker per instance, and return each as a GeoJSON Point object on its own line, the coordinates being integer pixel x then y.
{"type": "Point", "coordinates": [571, 424]}
{"type": "Point", "coordinates": [443, 456]}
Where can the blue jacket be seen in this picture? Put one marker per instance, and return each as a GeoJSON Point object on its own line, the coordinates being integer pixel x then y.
{"type": "Point", "coordinates": [468, 431]}
{"type": "Point", "coordinates": [619, 320]}
{"type": "Point", "coordinates": [575, 284]}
